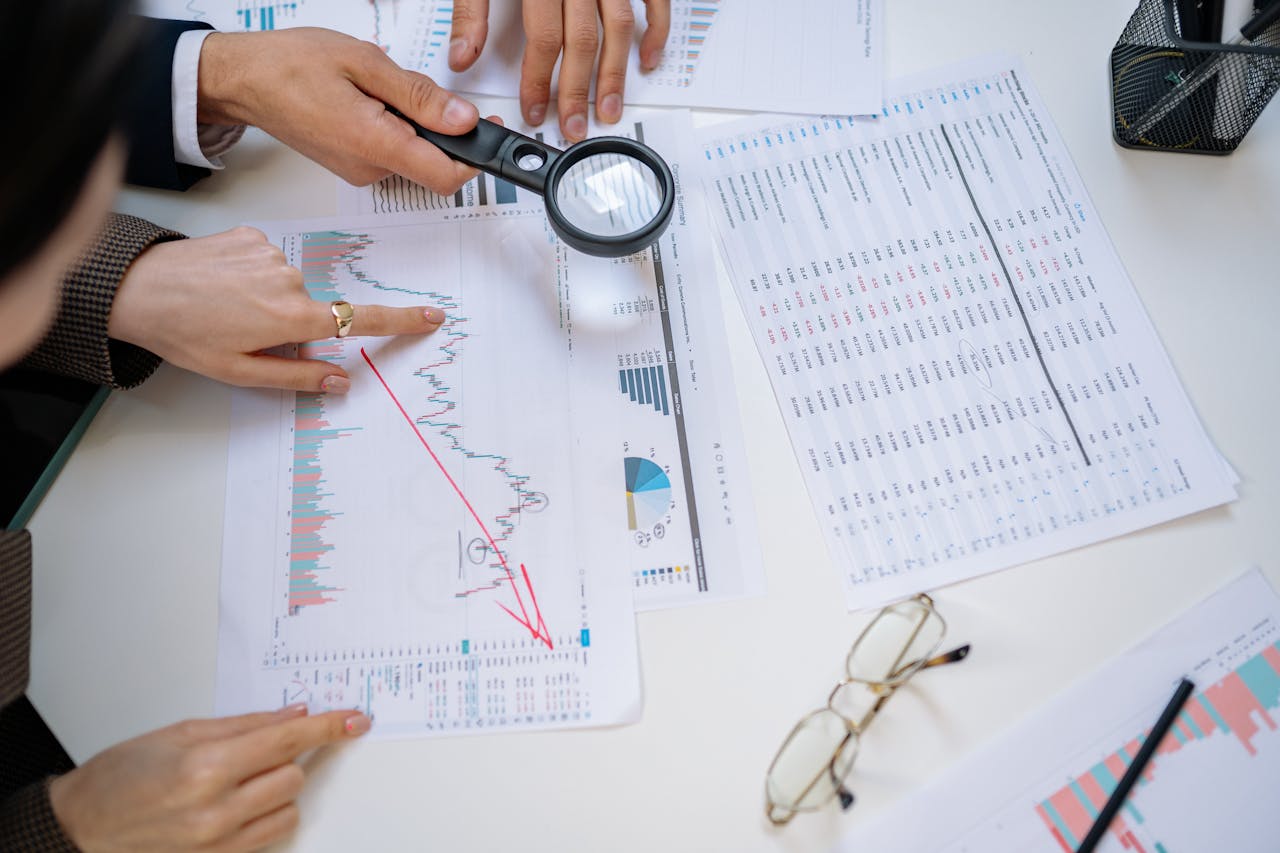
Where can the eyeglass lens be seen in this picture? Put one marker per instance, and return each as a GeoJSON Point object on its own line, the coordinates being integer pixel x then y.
{"type": "Point", "coordinates": [804, 774]}
{"type": "Point", "coordinates": [896, 643]}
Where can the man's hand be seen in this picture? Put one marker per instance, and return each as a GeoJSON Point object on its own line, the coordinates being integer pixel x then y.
{"type": "Point", "coordinates": [226, 784]}
{"type": "Point", "coordinates": [212, 304]}
{"type": "Point", "coordinates": [571, 27]}
{"type": "Point", "coordinates": [323, 94]}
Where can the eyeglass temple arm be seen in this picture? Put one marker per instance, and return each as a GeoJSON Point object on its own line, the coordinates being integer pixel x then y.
{"type": "Point", "coordinates": [956, 655]}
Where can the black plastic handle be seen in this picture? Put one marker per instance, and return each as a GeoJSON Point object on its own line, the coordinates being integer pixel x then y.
{"type": "Point", "coordinates": [494, 149]}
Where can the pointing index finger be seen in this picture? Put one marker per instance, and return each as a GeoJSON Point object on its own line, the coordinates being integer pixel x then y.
{"type": "Point", "coordinates": [377, 320]}
{"type": "Point", "coordinates": [259, 750]}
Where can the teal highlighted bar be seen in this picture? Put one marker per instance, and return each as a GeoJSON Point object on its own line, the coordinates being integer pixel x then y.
{"type": "Point", "coordinates": [586, 638]}
{"type": "Point", "coordinates": [1262, 680]}
{"type": "Point", "coordinates": [1083, 798]}
{"type": "Point", "coordinates": [466, 647]}
{"type": "Point", "coordinates": [1105, 778]}
{"type": "Point", "coordinates": [1213, 712]}
{"type": "Point", "coordinates": [1060, 823]}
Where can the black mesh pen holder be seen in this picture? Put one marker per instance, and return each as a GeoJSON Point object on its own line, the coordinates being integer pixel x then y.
{"type": "Point", "coordinates": [1168, 94]}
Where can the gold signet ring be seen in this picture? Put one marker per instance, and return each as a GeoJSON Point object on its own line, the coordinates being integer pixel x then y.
{"type": "Point", "coordinates": [342, 314]}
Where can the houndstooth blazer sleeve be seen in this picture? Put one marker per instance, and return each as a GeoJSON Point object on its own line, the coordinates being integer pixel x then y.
{"type": "Point", "coordinates": [77, 344]}
{"type": "Point", "coordinates": [26, 817]}
{"type": "Point", "coordinates": [27, 822]}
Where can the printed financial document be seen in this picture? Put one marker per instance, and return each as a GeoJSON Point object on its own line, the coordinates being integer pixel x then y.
{"type": "Point", "coordinates": [460, 543]}
{"type": "Point", "coordinates": [1210, 785]}
{"type": "Point", "coordinates": [679, 355]}
{"type": "Point", "coordinates": [966, 372]}
{"type": "Point", "coordinates": [370, 20]}
{"type": "Point", "coordinates": [824, 57]}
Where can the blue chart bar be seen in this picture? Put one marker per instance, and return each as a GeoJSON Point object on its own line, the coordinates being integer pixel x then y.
{"type": "Point", "coordinates": [505, 192]}
{"type": "Point", "coordinates": [646, 386]}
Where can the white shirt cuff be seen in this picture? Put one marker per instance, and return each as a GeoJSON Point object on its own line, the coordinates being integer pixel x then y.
{"type": "Point", "coordinates": [193, 143]}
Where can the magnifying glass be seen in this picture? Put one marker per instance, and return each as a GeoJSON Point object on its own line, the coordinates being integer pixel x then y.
{"type": "Point", "coordinates": [609, 196]}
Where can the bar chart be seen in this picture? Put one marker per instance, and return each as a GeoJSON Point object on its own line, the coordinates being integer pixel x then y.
{"type": "Point", "coordinates": [646, 386]}
{"type": "Point", "coordinates": [1228, 714]}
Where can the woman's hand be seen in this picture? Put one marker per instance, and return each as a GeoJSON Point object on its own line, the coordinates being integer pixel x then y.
{"type": "Point", "coordinates": [213, 304]}
{"type": "Point", "coordinates": [217, 785]}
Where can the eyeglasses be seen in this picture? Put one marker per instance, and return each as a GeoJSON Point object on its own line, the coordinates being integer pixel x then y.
{"type": "Point", "coordinates": [812, 763]}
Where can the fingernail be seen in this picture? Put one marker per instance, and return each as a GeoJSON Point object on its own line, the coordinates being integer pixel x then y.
{"type": "Point", "coordinates": [458, 49]}
{"type": "Point", "coordinates": [458, 111]}
{"type": "Point", "coordinates": [576, 126]}
{"type": "Point", "coordinates": [434, 316]}
{"type": "Point", "coordinates": [537, 113]}
{"type": "Point", "coordinates": [611, 107]}
{"type": "Point", "coordinates": [650, 60]}
{"type": "Point", "coordinates": [335, 385]}
{"type": "Point", "coordinates": [356, 724]}
{"type": "Point", "coordinates": [293, 710]}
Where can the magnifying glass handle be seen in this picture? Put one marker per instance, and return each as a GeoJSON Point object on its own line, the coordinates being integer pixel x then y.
{"type": "Point", "coordinates": [494, 149]}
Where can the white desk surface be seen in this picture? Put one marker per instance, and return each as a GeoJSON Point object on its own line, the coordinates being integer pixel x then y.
{"type": "Point", "coordinates": [128, 542]}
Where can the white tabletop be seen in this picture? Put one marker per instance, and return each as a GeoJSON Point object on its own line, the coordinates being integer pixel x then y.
{"type": "Point", "coordinates": [128, 542]}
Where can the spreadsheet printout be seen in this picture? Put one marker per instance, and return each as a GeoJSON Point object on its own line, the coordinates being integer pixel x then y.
{"type": "Point", "coordinates": [1210, 785]}
{"type": "Point", "coordinates": [966, 372]}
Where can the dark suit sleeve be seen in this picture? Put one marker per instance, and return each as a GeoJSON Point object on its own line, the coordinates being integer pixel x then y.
{"type": "Point", "coordinates": [149, 116]}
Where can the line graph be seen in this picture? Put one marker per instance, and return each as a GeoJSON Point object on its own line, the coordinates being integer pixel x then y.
{"type": "Point", "coordinates": [537, 627]}
{"type": "Point", "coordinates": [323, 253]}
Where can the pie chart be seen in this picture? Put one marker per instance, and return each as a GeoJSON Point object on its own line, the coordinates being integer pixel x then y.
{"type": "Point", "coordinates": [648, 493]}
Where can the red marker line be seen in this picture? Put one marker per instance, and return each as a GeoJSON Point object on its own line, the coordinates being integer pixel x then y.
{"type": "Point", "coordinates": [539, 631]}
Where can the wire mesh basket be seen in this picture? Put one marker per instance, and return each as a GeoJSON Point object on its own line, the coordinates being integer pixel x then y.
{"type": "Point", "coordinates": [1169, 94]}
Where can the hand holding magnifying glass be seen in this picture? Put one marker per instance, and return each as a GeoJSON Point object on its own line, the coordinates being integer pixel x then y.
{"type": "Point", "coordinates": [608, 196]}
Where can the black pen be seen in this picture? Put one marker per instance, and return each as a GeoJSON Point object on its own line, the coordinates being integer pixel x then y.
{"type": "Point", "coordinates": [1130, 777]}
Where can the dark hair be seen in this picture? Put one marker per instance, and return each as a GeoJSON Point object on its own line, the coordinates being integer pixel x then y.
{"type": "Point", "coordinates": [67, 68]}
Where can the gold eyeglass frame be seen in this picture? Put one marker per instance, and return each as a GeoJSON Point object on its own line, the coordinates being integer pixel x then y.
{"type": "Point", "coordinates": [780, 815]}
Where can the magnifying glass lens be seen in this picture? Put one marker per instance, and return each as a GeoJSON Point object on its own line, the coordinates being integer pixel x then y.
{"type": "Point", "coordinates": [609, 194]}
